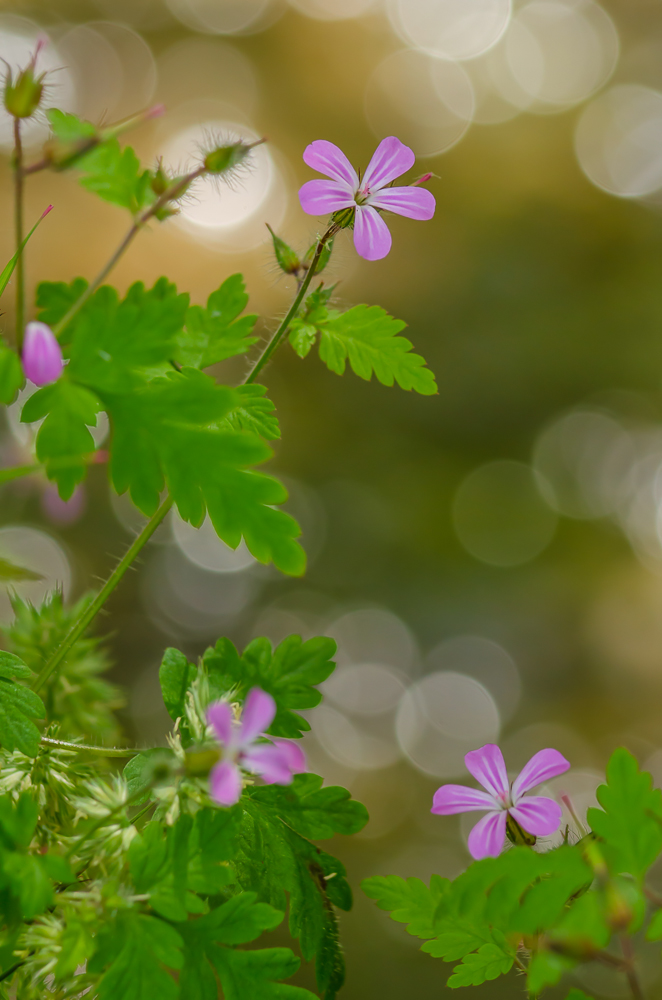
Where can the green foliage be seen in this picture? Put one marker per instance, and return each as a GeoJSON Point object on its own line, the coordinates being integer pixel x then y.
{"type": "Point", "coordinates": [176, 675]}
{"type": "Point", "coordinates": [576, 994]}
{"type": "Point", "coordinates": [290, 674]}
{"type": "Point", "coordinates": [18, 707]}
{"type": "Point", "coordinates": [410, 902]}
{"type": "Point", "coordinates": [115, 174]}
{"type": "Point", "coordinates": [11, 374]}
{"type": "Point", "coordinates": [217, 332]}
{"type": "Point", "coordinates": [253, 412]}
{"type": "Point", "coordinates": [10, 571]}
{"type": "Point", "coordinates": [631, 823]}
{"type": "Point", "coordinates": [489, 962]}
{"type": "Point", "coordinates": [137, 949]}
{"type": "Point", "coordinates": [55, 299]}
{"type": "Point", "coordinates": [366, 336]}
{"type": "Point", "coordinates": [81, 700]}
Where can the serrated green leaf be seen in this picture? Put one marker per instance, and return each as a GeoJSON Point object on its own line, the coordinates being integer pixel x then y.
{"type": "Point", "coordinates": [69, 410]}
{"type": "Point", "coordinates": [136, 947]}
{"type": "Point", "coordinates": [654, 929]}
{"type": "Point", "coordinates": [290, 674]}
{"type": "Point", "coordinates": [55, 299]}
{"type": "Point", "coordinates": [175, 677]}
{"type": "Point", "coordinates": [77, 945]}
{"type": "Point", "coordinates": [302, 336]}
{"type": "Point", "coordinates": [409, 901]}
{"type": "Point", "coordinates": [257, 975]}
{"type": "Point", "coordinates": [115, 174]}
{"type": "Point", "coordinates": [367, 336]}
{"type": "Point", "coordinates": [213, 333]}
{"type": "Point", "coordinates": [576, 994]}
{"type": "Point", "coordinates": [313, 811]}
{"type": "Point", "coordinates": [546, 969]}
{"type": "Point", "coordinates": [253, 412]}
{"type": "Point", "coordinates": [9, 571]}
{"type": "Point", "coordinates": [68, 127]}
{"type": "Point", "coordinates": [630, 821]}
{"type": "Point", "coordinates": [28, 881]}
{"type": "Point", "coordinates": [18, 706]}
{"type": "Point", "coordinates": [489, 962]}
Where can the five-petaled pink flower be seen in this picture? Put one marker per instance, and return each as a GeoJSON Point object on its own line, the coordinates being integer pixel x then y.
{"type": "Point", "coordinates": [392, 158]}
{"type": "Point", "coordinates": [536, 814]}
{"type": "Point", "coordinates": [41, 355]}
{"type": "Point", "coordinates": [276, 762]}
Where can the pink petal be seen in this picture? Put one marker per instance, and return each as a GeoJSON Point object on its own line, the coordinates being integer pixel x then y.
{"type": "Point", "coordinates": [42, 354]}
{"type": "Point", "coordinates": [391, 159]}
{"type": "Point", "coordinates": [537, 815]}
{"type": "Point", "coordinates": [296, 758]}
{"type": "Point", "coordinates": [269, 761]}
{"type": "Point", "coordinates": [413, 202]}
{"type": "Point", "coordinates": [219, 717]}
{"type": "Point", "coordinates": [330, 160]}
{"type": "Point", "coordinates": [323, 197]}
{"type": "Point", "coordinates": [487, 837]}
{"type": "Point", "coordinates": [450, 799]}
{"type": "Point", "coordinates": [371, 236]}
{"type": "Point", "coordinates": [488, 767]}
{"type": "Point", "coordinates": [225, 783]}
{"type": "Point", "coordinates": [257, 716]}
{"type": "Point", "coordinates": [543, 765]}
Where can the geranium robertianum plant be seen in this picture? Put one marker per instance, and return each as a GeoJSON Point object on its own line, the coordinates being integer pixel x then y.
{"type": "Point", "coordinates": [129, 873]}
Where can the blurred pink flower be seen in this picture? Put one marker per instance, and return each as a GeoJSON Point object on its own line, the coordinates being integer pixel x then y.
{"type": "Point", "coordinates": [63, 512]}
{"type": "Point", "coordinates": [276, 762]}
{"type": "Point", "coordinates": [42, 355]}
{"type": "Point", "coordinates": [536, 814]}
{"type": "Point", "coordinates": [392, 158]}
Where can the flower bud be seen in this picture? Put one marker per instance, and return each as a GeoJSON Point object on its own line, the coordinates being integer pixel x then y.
{"type": "Point", "coordinates": [227, 156]}
{"type": "Point", "coordinates": [42, 355]}
{"type": "Point", "coordinates": [23, 96]}
{"type": "Point", "coordinates": [286, 258]}
{"type": "Point", "coordinates": [344, 218]}
{"type": "Point", "coordinates": [325, 256]}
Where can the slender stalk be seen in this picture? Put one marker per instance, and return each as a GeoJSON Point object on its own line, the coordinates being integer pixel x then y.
{"type": "Point", "coordinates": [48, 741]}
{"type": "Point", "coordinates": [630, 971]}
{"type": "Point", "coordinates": [294, 308]}
{"type": "Point", "coordinates": [173, 192]}
{"type": "Point", "coordinates": [18, 231]}
{"type": "Point", "coordinates": [109, 586]}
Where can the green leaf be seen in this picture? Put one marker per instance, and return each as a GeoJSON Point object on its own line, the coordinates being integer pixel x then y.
{"type": "Point", "coordinates": [8, 269]}
{"type": "Point", "coordinates": [631, 823]}
{"type": "Point", "coordinates": [313, 811]}
{"type": "Point", "coordinates": [367, 336]}
{"type": "Point", "coordinates": [302, 336]}
{"type": "Point", "coordinates": [290, 674]}
{"type": "Point", "coordinates": [68, 410]}
{"type": "Point", "coordinates": [489, 962]}
{"type": "Point", "coordinates": [576, 994]}
{"type": "Point", "coordinates": [409, 901]}
{"type": "Point", "coordinates": [253, 412]}
{"type": "Point", "coordinates": [116, 176]}
{"type": "Point", "coordinates": [165, 433]}
{"type": "Point", "coordinates": [546, 969]}
{"type": "Point", "coordinates": [216, 332]}
{"type": "Point", "coordinates": [654, 930]}
{"type": "Point", "coordinates": [68, 127]}
{"type": "Point", "coordinates": [175, 675]}
{"type": "Point", "coordinates": [11, 572]}
{"type": "Point", "coordinates": [137, 947]}
{"type": "Point", "coordinates": [18, 706]}
{"type": "Point", "coordinates": [55, 299]}
{"type": "Point", "coordinates": [257, 975]}
{"type": "Point", "coordinates": [11, 374]}
{"type": "Point", "coordinates": [77, 945]}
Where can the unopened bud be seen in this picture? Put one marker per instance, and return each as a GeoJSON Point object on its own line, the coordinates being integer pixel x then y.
{"type": "Point", "coordinates": [344, 218]}
{"type": "Point", "coordinates": [286, 258]}
{"type": "Point", "coordinates": [227, 156]}
{"type": "Point", "coordinates": [42, 355]}
{"type": "Point", "coordinates": [23, 96]}
{"type": "Point", "coordinates": [423, 179]}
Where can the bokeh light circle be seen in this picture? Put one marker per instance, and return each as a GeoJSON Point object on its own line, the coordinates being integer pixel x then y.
{"type": "Point", "coordinates": [203, 547]}
{"type": "Point", "coordinates": [500, 516]}
{"type": "Point", "coordinates": [428, 103]}
{"type": "Point", "coordinates": [219, 17]}
{"type": "Point", "coordinates": [364, 688]}
{"type": "Point", "coordinates": [373, 635]}
{"type": "Point", "coordinates": [451, 29]}
{"type": "Point", "coordinates": [37, 551]}
{"type": "Point", "coordinates": [443, 716]}
{"type": "Point", "coordinates": [484, 660]}
{"type": "Point", "coordinates": [348, 743]}
{"type": "Point", "coordinates": [561, 53]}
{"type": "Point", "coordinates": [618, 141]}
{"type": "Point", "coordinates": [334, 10]}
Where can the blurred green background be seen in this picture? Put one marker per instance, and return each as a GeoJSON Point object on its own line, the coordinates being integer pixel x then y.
{"type": "Point", "coordinates": [489, 559]}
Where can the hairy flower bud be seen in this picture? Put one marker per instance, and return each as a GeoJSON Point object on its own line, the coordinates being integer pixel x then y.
{"type": "Point", "coordinates": [42, 355]}
{"type": "Point", "coordinates": [227, 156]}
{"type": "Point", "coordinates": [286, 258]}
{"type": "Point", "coordinates": [23, 96]}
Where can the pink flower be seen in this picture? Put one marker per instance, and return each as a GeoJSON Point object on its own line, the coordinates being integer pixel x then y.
{"type": "Point", "coordinates": [536, 814]}
{"type": "Point", "coordinates": [276, 762]}
{"type": "Point", "coordinates": [392, 158]}
{"type": "Point", "coordinates": [42, 355]}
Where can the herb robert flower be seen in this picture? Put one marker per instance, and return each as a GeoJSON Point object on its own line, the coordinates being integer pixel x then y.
{"type": "Point", "coordinates": [243, 747]}
{"type": "Point", "coordinates": [537, 815]}
{"type": "Point", "coordinates": [367, 197]}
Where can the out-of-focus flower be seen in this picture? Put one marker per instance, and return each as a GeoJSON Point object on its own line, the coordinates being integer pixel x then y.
{"type": "Point", "coordinates": [536, 814]}
{"type": "Point", "coordinates": [243, 747]}
{"type": "Point", "coordinates": [346, 190]}
{"type": "Point", "coordinates": [42, 355]}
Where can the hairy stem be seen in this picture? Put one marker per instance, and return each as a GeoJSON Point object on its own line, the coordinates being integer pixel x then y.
{"type": "Point", "coordinates": [173, 192]}
{"type": "Point", "coordinates": [18, 232]}
{"type": "Point", "coordinates": [294, 308]}
{"type": "Point", "coordinates": [48, 741]}
{"type": "Point", "coordinates": [92, 609]}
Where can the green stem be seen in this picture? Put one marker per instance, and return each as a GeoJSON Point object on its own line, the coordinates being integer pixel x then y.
{"type": "Point", "coordinates": [294, 308]}
{"type": "Point", "coordinates": [18, 232]}
{"type": "Point", "coordinates": [109, 586]}
{"type": "Point", "coordinates": [630, 971]}
{"type": "Point", "coordinates": [173, 192]}
{"type": "Point", "coordinates": [48, 741]}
